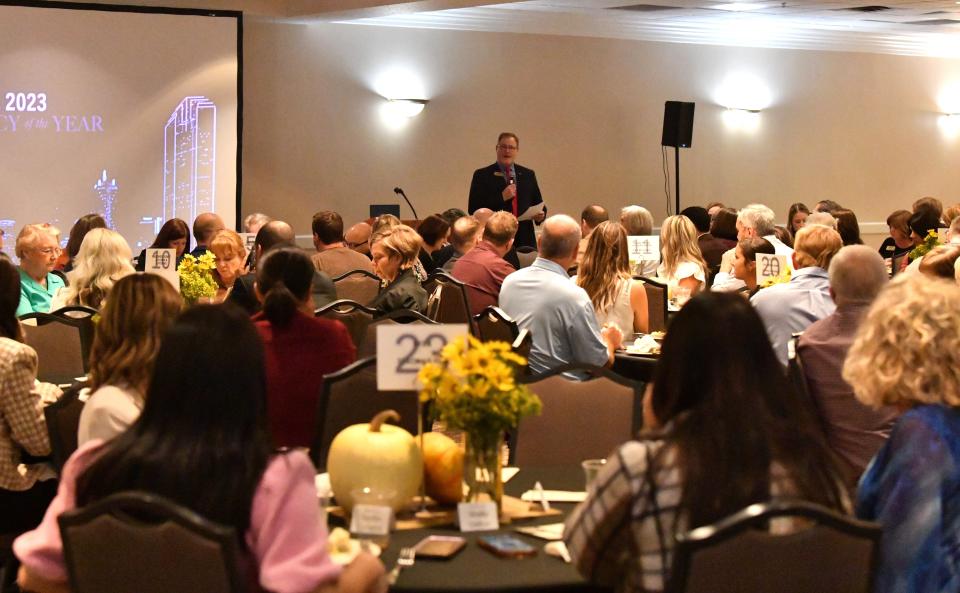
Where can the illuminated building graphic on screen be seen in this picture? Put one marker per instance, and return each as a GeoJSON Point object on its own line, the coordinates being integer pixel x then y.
{"type": "Point", "coordinates": [107, 190]}
{"type": "Point", "coordinates": [9, 237]}
{"type": "Point", "coordinates": [189, 157]}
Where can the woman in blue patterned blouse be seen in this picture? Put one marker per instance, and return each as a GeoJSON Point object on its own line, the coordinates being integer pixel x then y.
{"type": "Point", "coordinates": [907, 354]}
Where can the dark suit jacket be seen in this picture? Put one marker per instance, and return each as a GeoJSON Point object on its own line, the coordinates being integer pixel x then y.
{"type": "Point", "coordinates": [405, 292]}
{"type": "Point", "coordinates": [243, 294]}
{"type": "Point", "coordinates": [486, 191]}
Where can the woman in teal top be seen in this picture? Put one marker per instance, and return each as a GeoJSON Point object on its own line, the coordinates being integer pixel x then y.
{"type": "Point", "coordinates": [38, 247]}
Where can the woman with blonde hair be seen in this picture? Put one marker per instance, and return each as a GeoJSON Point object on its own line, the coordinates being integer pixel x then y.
{"type": "Point", "coordinates": [605, 274]}
{"type": "Point", "coordinates": [231, 255]}
{"type": "Point", "coordinates": [907, 354]}
{"type": "Point", "coordinates": [682, 265]}
{"type": "Point", "coordinates": [395, 251]}
{"type": "Point", "coordinates": [103, 259]}
{"type": "Point", "coordinates": [140, 309]}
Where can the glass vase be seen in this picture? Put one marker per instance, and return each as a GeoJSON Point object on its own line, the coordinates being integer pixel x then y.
{"type": "Point", "coordinates": [481, 467]}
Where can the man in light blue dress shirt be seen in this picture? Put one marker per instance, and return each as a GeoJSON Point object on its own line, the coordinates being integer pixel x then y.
{"type": "Point", "coordinates": [558, 314]}
{"type": "Point", "coordinates": [791, 307]}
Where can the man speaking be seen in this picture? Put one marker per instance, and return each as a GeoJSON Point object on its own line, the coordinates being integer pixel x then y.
{"type": "Point", "coordinates": [507, 186]}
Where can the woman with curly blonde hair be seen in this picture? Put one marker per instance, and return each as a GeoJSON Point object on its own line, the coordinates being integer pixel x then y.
{"type": "Point", "coordinates": [104, 258]}
{"type": "Point", "coordinates": [683, 264]}
{"type": "Point", "coordinates": [133, 320]}
{"type": "Point", "coordinates": [907, 354]}
{"type": "Point", "coordinates": [605, 274]}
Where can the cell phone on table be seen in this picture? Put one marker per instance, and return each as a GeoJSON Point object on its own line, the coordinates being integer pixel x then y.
{"type": "Point", "coordinates": [439, 546]}
{"type": "Point", "coordinates": [506, 546]}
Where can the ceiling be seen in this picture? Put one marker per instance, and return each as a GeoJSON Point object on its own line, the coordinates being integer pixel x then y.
{"type": "Point", "coordinates": [908, 27]}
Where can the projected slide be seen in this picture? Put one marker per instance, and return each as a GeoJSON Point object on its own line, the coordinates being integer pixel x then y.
{"type": "Point", "coordinates": [130, 115]}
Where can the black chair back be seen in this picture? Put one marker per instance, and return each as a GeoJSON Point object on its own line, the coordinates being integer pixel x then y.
{"type": "Point", "coordinates": [493, 324]}
{"type": "Point", "coordinates": [135, 541]}
{"type": "Point", "coordinates": [656, 303]}
{"type": "Point", "coordinates": [369, 345]}
{"type": "Point", "coordinates": [896, 262]}
{"type": "Point", "coordinates": [63, 421]}
{"type": "Point", "coordinates": [580, 419]}
{"type": "Point", "coordinates": [359, 286]}
{"type": "Point", "coordinates": [62, 340]}
{"type": "Point", "coordinates": [451, 303]}
{"type": "Point", "coordinates": [350, 396]}
{"type": "Point", "coordinates": [353, 315]}
{"type": "Point", "coordinates": [829, 552]}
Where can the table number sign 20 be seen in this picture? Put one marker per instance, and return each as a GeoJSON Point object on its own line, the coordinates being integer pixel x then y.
{"type": "Point", "coordinates": [771, 266]}
{"type": "Point", "coordinates": [402, 349]}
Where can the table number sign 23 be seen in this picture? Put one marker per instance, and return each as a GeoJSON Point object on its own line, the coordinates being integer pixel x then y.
{"type": "Point", "coordinates": [405, 347]}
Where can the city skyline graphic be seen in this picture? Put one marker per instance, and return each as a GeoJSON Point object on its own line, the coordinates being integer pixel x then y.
{"type": "Point", "coordinates": [189, 159]}
{"type": "Point", "coordinates": [107, 192]}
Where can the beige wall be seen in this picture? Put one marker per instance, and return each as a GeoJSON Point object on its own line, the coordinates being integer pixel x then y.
{"type": "Point", "coordinates": [858, 128]}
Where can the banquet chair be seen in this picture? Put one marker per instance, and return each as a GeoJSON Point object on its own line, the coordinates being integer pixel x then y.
{"type": "Point", "coordinates": [896, 262]}
{"type": "Point", "coordinates": [493, 323]}
{"type": "Point", "coordinates": [353, 315]}
{"type": "Point", "coordinates": [368, 346]}
{"type": "Point", "coordinates": [656, 303]}
{"type": "Point", "coordinates": [63, 421]}
{"type": "Point", "coordinates": [136, 541]}
{"type": "Point", "coordinates": [350, 396]}
{"type": "Point", "coordinates": [580, 419]}
{"type": "Point", "coordinates": [826, 552]}
{"type": "Point", "coordinates": [453, 304]}
{"type": "Point", "coordinates": [360, 286]}
{"type": "Point", "coordinates": [62, 341]}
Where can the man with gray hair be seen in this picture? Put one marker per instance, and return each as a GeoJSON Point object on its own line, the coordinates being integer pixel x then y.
{"type": "Point", "coordinates": [754, 220]}
{"type": "Point", "coordinates": [557, 313]}
{"type": "Point", "coordinates": [854, 431]}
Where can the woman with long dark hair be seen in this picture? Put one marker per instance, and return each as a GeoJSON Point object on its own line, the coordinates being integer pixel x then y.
{"type": "Point", "coordinates": [796, 217]}
{"type": "Point", "coordinates": [174, 234]}
{"type": "Point", "coordinates": [202, 442]}
{"type": "Point", "coordinates": [299, 348]}
{"type": "Point", "coordinates": [25, 490]}
{"type": "Point", "coordinates": [78, 231]}
{"type": "Point", "coordinates": [724, 429]}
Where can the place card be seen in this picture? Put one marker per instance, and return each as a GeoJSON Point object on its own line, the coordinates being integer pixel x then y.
{"type": "Point", "coordinates": [371, 519]}
{"type": "Point", "coordinates": [248, 240]}
{"type": "Point", "coordinates": [478, 516]}
{"type": "Point", "coordinates": [403, 348]}
{"type": "Point", "coordinates": [942, 234]}
{"type": "Point", "coordinates": [770, 266]}
{"type": "Point", "coordinates": [163, 262]}
{"type": "Point", "coordinates": [643, 248]}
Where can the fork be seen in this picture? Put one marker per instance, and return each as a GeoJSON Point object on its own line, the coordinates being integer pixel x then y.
{"type": "Point", "coordinates": [405, 560]}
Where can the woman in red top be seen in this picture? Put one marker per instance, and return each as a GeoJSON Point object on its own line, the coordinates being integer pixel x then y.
{"type": "Point", "coordinates": [300, 348]}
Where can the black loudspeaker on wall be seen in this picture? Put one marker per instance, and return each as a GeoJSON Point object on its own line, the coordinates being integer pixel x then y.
{"type": "Point", "coordinates": [677, 124]}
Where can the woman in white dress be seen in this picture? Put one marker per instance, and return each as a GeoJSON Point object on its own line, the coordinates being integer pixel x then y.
{"type": "Point", "coordinates": [682, 264]}
{"type": "Point", "coordinates": [617, 298]}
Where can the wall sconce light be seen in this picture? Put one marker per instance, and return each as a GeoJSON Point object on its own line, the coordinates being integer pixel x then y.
{"type": "Point", "coordinates": [406, 107]}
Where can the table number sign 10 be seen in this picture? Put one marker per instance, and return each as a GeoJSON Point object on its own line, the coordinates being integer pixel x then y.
{"type": "Point", "coordinates": [163, 262]}
{"type": "Point", "coordinates": [771, 266]}
{"type": "Point", "coordinates": [405, 347]}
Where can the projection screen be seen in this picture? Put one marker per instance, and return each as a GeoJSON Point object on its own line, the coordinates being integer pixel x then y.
{"type": "Point", "coordinates": [129, 112]}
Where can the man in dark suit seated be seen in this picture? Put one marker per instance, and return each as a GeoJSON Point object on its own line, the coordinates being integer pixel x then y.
{"type": "Point", "coordinates": [507, 186]}
{"type": "Point", "coordinates": [205, 226]}
{"type": "Point", "coordinates": [275, 234]}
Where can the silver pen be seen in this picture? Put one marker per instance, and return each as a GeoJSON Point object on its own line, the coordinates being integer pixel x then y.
{"type": "Point", "coordinates": [538, 487]}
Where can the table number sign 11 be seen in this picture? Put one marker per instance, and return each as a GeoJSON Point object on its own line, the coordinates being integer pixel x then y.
{"type": "Point", "coordinates": [643, 248]}
{"type": "Point", "coordinates": [163, 262]}
{"type": "Point", "coordinates": [405, 347]}
{"type": "Point", "coordinates": [771, 266]}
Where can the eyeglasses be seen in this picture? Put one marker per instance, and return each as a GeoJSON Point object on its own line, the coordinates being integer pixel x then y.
{"type": "Point", "coordinates": [50, 250]}
{"type": "Point", "coordinates": [506, 147]}
{"type": "Point", "coordinates": [353, 245]}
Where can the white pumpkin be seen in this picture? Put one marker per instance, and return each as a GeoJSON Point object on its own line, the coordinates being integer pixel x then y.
{"type": "Point", "coordinates": [377, 456]}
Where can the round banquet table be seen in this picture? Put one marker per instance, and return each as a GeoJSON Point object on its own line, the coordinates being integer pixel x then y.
{"type": "Point", "coordinates": [476, 570]}
{"type": "Point", "coordinates": [639, 367]}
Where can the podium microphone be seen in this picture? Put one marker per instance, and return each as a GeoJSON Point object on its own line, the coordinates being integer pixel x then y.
{"type": "Point", "coordinates": [397, 190]}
